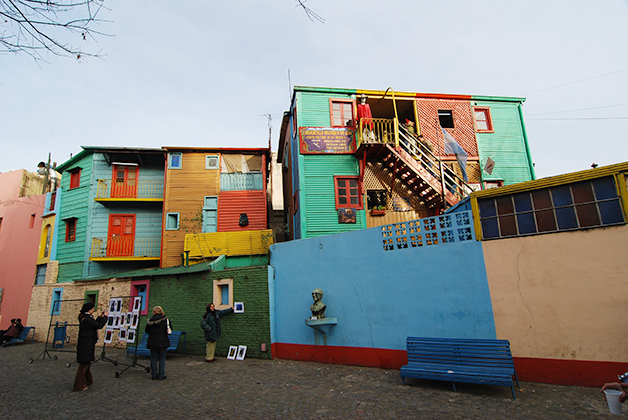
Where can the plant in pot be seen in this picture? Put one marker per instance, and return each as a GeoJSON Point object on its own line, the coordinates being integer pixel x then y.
{"type": "Point", "coordinates": [378, 211]}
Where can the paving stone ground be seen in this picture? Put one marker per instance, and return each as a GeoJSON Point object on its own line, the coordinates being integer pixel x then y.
{"type": "Point", "coordinates": [264, 389]}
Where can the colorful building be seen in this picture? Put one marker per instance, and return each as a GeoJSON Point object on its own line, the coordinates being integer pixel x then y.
{"type": "Point", "coordinates": [354, 159]}
{"type": "Point", "coordinates": [539, 263]}
{"type": "Point", "coordinates": [216, 203]}
{"type": "Point", "coordinates": [22, 202]}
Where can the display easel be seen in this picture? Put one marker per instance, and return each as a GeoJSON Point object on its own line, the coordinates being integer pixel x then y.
{"type": "Point", "coordinates": [71, 307]}
{"type": "Point", "coordinates": [59, 310]}
{"type": "Point", "coordinates": [135, 305]}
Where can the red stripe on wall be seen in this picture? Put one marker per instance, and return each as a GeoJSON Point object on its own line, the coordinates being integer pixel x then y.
{"type": "Point", "coordinates": [356, 356]}
{"type": "Point", "coordinates": [568, 372]}
{"type": "Point", "coordinates": [551, 371]}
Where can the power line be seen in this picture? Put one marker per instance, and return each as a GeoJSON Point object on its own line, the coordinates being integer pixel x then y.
{"type": "Point", "coordinates": [576, 110]}
{"type": "Point", "coordinates": [579, 119]}
{"type": "Point", "coordinates": [576, 81]}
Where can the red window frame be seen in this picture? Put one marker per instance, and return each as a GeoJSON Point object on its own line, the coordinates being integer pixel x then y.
{"type": "Point", "coordinates": [124, 180]}
{"type": "Point", "coordinates": [341, 112]}
{"type": "Point", "coordinates": [487, 119]}
{"type": "Point", "coordinates": [70, 230]}
{"type": "Point", "coordinates": [339, 187]}
{"type": "Point", "coordinates": [53, 198]}
{"type": "Point", "coordinates": [75, 178]}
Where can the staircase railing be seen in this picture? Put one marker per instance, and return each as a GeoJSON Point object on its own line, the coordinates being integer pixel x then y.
{"type": "Point", "coordinates": [420, 151]}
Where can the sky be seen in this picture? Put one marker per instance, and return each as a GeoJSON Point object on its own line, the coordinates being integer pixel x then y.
{"type": "Point", "coordinates": [208, 73]}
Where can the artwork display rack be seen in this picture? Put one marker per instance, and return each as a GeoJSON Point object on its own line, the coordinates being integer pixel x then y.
{"type": "Point", "coordinates": [136, 341]}
{"type": "Point", "coordinates": [56, 306]}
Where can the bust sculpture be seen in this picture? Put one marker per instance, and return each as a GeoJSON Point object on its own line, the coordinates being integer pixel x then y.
{"type": "Point", "coordinates": [318, 307]}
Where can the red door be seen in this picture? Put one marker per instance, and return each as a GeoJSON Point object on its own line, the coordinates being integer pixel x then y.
{"type": "Point", "coordinates": [121, 235]}
{"type": "Point", "coordinates": [124, 181]}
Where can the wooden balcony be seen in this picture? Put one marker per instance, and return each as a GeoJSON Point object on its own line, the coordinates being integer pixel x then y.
{"type": "Point", "coordinates": [125, 249]}
{"type": "Point", "coordinates": [147, 190]}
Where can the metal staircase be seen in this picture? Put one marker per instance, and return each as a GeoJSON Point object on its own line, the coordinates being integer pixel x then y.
{"type": "Point", "coordinates": [411, 162]}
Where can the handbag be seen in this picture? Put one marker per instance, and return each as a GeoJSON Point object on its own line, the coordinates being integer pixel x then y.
{"type": "Point", "coordinates": [169, 328]}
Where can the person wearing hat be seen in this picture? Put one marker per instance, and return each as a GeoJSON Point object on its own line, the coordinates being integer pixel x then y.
{"type": "Point", "coordinates": [86, 343]}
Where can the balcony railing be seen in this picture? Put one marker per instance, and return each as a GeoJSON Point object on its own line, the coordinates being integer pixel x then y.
{"type": "Point", "coordinates": [126, 248]}
{"type": "Point", "coordinates": [135, 190]}
{"type": "Point", "coordinates": [378, 130]}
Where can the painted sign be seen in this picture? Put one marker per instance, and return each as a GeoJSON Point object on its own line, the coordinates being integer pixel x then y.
{"type": "Point", "coordinates": [319, 140]}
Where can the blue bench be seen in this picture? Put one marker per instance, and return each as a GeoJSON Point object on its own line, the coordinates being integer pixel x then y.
{"type": "Point", "coordinates": [476, 361]}
{"type": "Point", "coordinates": [175, 339]}
{"type": "Point", "coordinates": [22, 337]}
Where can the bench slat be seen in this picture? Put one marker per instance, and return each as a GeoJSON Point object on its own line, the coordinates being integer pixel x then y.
{"type": "Point", "coordinates": [481, 361]}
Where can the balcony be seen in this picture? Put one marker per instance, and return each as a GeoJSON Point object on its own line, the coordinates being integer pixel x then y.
{"type": "Point", "coordinates": [125, 249]}
{"type": "Point", "coordinates": [239, 243]}
{"type": "Point", "coordinates": [141, 190]}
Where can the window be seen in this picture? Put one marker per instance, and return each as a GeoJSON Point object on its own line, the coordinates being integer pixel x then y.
{"type": "Point", "coordinates": [75, 178]}
{"type": "Point", "coordinates": [446, 118]}
{"type": "Point", "coordinates": [483, 123]}
{"type": "Point", "coordinates": [40, 278]}
{"type": "Point", "coordinates": [172, 221]}
{"type": "Point", "coordinates": [55, 305]}
{"type": "Point", "coordinates": [574, 206]}
{"type": "Point", "coordinates": [44, 246]}
{"type": "Point", "coordinates": [140, 288]}
{"type": "Point", "coordinates": [174, 161]}
{"type": "Point", "coordinates": [347, 192]}
{"type": "Point", "coordinates": [212, 162]}
{"type": "Point", "coordinates": [91, 296]}
{"type": "Point", "coordinates": [31, 222]}
{"type": "Point", "coordinates": [210, 214]}
{"type": "Point", "coordinates": [341, 112]}
{"type": "Point", "coordinates": [223, 294]}
{"type": "Point", "coordinates": [124, 181]}
{"type": "Point", "coordinates": [53, 198]}
{"type": "Point", "coordinates": [70, 230]}
{"type": "Point", "coordinates": [376, 199]}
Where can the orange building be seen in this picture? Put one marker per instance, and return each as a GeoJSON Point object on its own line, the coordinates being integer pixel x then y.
{"type": "Point", "coordinates": [208, 191]}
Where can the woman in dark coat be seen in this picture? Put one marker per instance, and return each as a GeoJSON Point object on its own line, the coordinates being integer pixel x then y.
{"type": "Point", "coordinates": [87, 338]}
{"type": "Point", "coordinates": [210, 323]}
{"type": "Point", "coordinates": [158, 342]}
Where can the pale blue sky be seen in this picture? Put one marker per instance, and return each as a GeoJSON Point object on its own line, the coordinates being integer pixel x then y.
{"type": "Point", "coordinates": [201, 73]}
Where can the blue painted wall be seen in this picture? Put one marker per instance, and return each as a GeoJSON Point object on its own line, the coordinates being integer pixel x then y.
{"type": "Point", "coordinates": [379, 297]}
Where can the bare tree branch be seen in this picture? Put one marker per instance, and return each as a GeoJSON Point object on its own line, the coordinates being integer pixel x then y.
{"type": "Point", "coordinates": [309, 12]}
{"type": "Point", "coordinates": [35, 26]}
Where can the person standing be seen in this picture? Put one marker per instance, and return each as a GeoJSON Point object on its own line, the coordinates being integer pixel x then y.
{"type": "Point", "coordinates": [211, 325]}
{"type": "Point", "coordinates": [158, 342]}
{"type": "Point", "coordinates": [86, 343]}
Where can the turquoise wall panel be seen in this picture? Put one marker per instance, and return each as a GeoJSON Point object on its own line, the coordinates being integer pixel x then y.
{"type": "Point", "coordinates": [507, 145]}
{"type": "Point", "coordinates": [314, 174]}
{"type": "Point", "coordinates": [319, 197]}
{"type": "Point", "coordinates": [74, 203]}
{"type": "Point", "coordinates": [379, 297]}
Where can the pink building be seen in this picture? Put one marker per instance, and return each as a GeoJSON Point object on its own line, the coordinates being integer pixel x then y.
{"type": "Point", "coordinates": [21, 208]}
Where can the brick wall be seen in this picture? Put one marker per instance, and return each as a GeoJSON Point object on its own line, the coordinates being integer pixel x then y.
{"type": "Point", "coordinates": [72, 300]}
{"type": "Point", "coordinates": [184, 299]}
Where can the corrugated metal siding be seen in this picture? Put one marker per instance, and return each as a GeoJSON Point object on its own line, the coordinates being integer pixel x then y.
{"type": "Point", "coordinates": [506, 145]}
{"type": "Point", "coordinates": [75, 203]}
{"type": "Point", "coordinates": [232, 203]}
{"type": "Point", "coordinates": [313, 109]}
{"type": "Point", "coordinates": [321, 216]}
{"type": "Point", "coordinates": [185, 190]}
{"type": "Point", "coordinates": [250, 242]}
